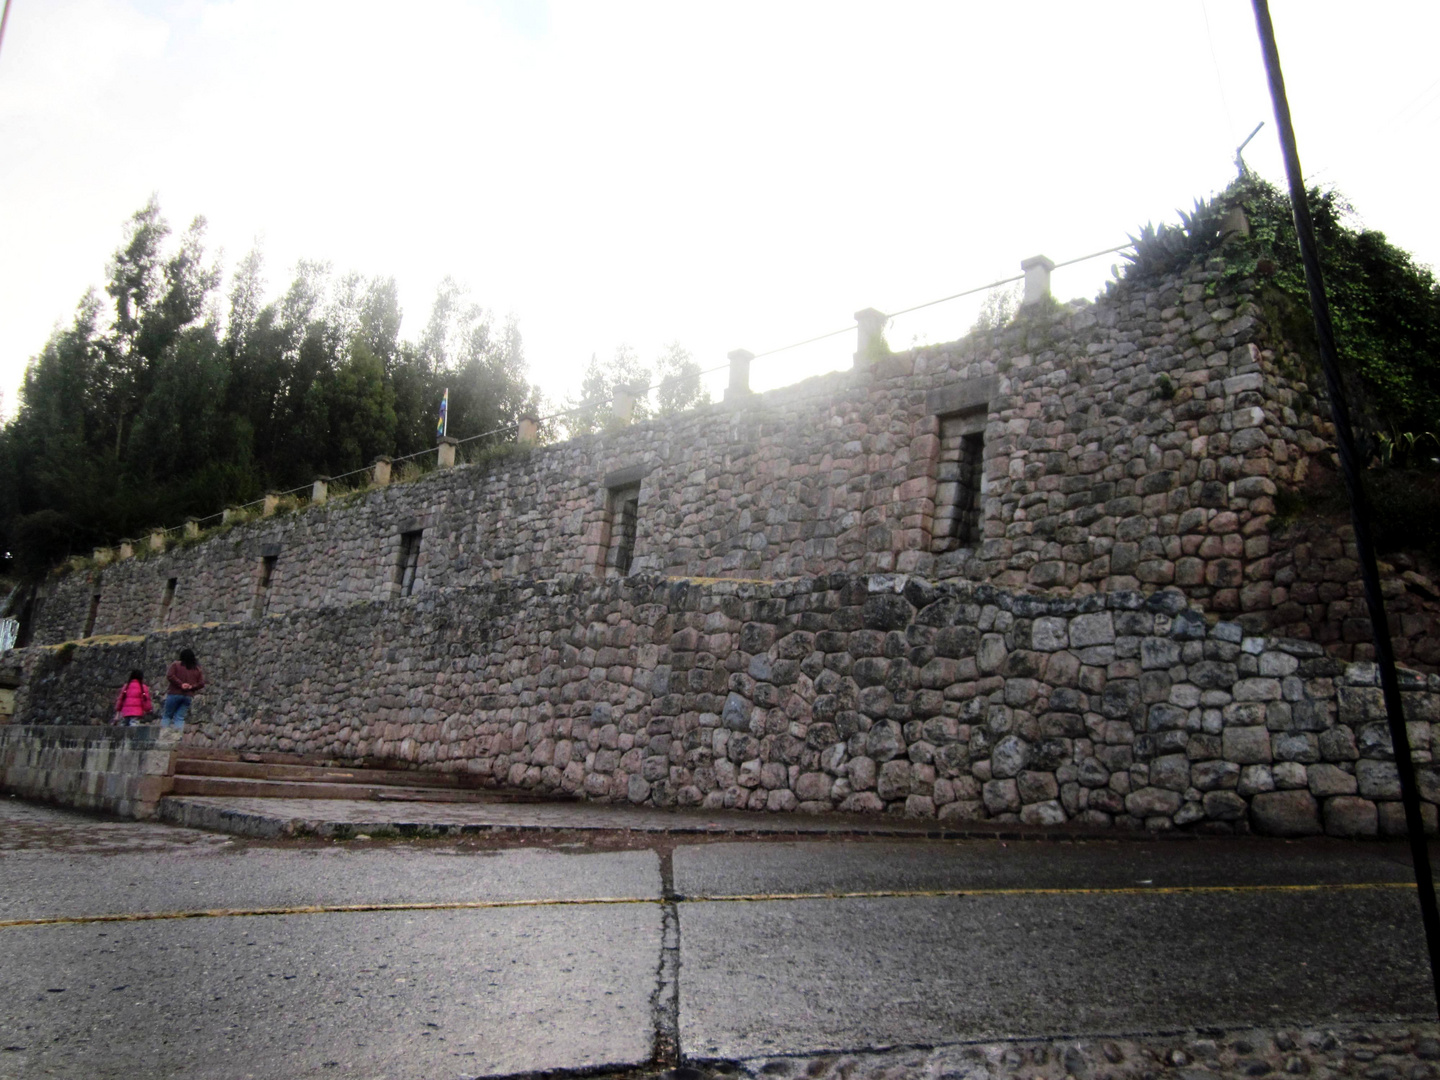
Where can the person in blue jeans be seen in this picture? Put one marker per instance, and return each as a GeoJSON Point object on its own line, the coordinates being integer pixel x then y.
{"type": "Point", "coordinates": [185, 681]}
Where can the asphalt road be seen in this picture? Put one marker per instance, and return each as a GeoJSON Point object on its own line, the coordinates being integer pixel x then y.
{"type": "Point", "coordinates": [451, 960]}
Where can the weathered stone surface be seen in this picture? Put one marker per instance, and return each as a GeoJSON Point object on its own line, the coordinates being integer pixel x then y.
{"type": "Point", "coordinates": [1348, 816]}
{"type": "Point", "coordinates": [1377, 779]}
{"type": "Point", "coordinates": [1331, 780]}
{"type": "Point", "coordinates": [1285, 813]}
{"type": "Point", "coordinates": [1247, 745]}
{"type": "Point", "coordinates": [1152, 801]}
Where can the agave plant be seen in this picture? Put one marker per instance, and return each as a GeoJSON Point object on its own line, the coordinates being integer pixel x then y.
{"type": "Point", "coordinates": [1168, 247]}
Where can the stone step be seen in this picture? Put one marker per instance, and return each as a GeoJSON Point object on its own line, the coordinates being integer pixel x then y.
{"type": "Point", "coordinates": [254, 770]}
{"type": "Point", "coordinates": [215, 753]}
{"type": "Point", "coordinates": [251, 788]}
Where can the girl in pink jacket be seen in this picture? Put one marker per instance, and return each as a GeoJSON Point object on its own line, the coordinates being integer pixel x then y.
{"type": "Point", "coordinates": [134, 700]}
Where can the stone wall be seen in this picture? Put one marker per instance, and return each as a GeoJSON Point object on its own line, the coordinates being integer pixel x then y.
{"type": "Point", "coordinates": [885, 693]}
{"type": "Point", "coordinates": [1135, 443]}
{"type": "Point", "coordinates": [122, 771]}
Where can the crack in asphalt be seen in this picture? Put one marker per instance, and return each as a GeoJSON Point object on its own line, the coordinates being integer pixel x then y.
{"type": "Point", "coordinates": [665, 1002]}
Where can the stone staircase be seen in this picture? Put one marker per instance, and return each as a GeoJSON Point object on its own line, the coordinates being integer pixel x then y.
{"type": "Point", "coordinates": [241, 775]}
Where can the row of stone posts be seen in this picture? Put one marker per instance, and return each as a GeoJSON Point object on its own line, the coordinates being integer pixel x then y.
{"type": "Point", "coordinates": [869, 324]}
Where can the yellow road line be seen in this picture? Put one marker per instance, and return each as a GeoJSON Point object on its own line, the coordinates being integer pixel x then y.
{"type": "Point", "coordinates": [1080, 890]}
{"type": "Point", "coordinates": [326, 909]}
{"type": "Point", "coordinates": [731, 898]}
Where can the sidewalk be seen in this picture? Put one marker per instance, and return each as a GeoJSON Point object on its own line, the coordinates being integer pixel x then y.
{"type": "Point", "coordinates": [342, 818]}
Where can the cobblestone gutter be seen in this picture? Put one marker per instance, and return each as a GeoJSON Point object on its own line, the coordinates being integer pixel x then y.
{"type": "Point", "coordinates": [1372, 1052]}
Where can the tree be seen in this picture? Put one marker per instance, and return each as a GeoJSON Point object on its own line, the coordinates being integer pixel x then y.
{"type": "Point", "coordinates": [125, 426]}
{"type": "Point", "coordinates": [595, 409]}
{"type": "Point", "coordinates": [679, 387]}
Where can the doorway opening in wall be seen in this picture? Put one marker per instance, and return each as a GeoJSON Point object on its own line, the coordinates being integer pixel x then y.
{"type": "Point", "coordinates": [409, 561]}
{"type": "Point", "coordinates": [262, 584]}
{"type": "Point", "coordinates": [960, 481]}
{"type": "Point", "coordinates": [91, 615]}
{"type": "Point", "coordinates": [624, 522]}
{"type": "Point", "coordinates": [166, 600]}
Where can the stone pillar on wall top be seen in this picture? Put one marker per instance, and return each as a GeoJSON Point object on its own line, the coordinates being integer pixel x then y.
{"type": "Point", "coordinates": [192, 528]}
{"type": "Point", "coordinates": [529, 429]}
{"type": "Point", "coordinates": [103, 556]}
{"type": "Point", "coordinates": [157, 540]}
{"type": "Point", "coordinates": [380, 471]}
{"type": "Point", "coordinates": [870, 343]}
{"type": "Point", "coordinates": [127, 549]}
{"type": "Point", "coordinates": [445, 452]}
{"type": "Point", "coordinates": [739, 387]}
{"type": "Point", "coordinates": [270, 505]}
{"type": "Point", "coordinates": [623, 402]}
{"type": "Point", "coordinates": [1037, 278]}
{"type": "Point", "coordinates": [320, 489]}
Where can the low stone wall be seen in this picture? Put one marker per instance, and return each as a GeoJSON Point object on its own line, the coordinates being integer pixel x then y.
{"type": "Point", "coordinates": [844, 692]}
{"type": "Point", "coordinates": [122, 771]}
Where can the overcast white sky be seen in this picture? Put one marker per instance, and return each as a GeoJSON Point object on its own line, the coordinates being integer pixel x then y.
{"type": "Point", "coordinates": [729, 174]}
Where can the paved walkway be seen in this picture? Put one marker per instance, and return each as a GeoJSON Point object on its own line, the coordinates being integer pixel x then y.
{"type": "Point", "coordinates": [379, 817]}
{"type": "Point", "coordinates": [341, 818]}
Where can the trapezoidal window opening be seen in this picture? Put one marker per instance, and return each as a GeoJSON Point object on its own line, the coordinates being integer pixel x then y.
{"type": "Point", "coordinates": [409, 567]}
{"type": "Point", "coordinates": [91, 614]}
{"type": "Point", "coordinates": [166, 600]}
{"type": "Point", "coordinates": [959, 481]}
{"type": "Point", "coordinates": [262, 584]}
{"type": "Point", "coordinates": [624, 522]}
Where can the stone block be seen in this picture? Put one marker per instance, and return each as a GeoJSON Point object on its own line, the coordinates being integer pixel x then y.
{"type": "Point", "coordinates": [1377, 779]}
{"type": "Point", "coordinates": [1010, 756]}
{"type": "Point", "coordinates": [1326, 780]}
{"type": "Point", "coordinates": [1214, 775]}
{"type": "Point", "coordinates": [1171, 771]}
{"type": "Point", "coordinates": [1095, 629]}
{"type": "Point", "coordinates": [1348, 816]}
{"type": "Point", "coordinates": [1001, 796]}
{"type": "Point", "coordinates": [1037, 787]}
{"type": "Point", "coordinates": [1043, 813]}
{"type": "Point", "coordinates": [1223, 806]}
{"type": "Point", "coordinates": [1392, 819]}
{"type": "Point", "coordinates": [1152, 801]}
{"type": "Point", "coordinates": [1254, 779]}
{"type": "Point", "coordinates": [894, 781]}
{"type": "Point", "coordinates": [1246, 745]}
{"type": "Point", "coordinates": [1049, 634]}
{"type": "Point", "coordinates": [1285, 813]}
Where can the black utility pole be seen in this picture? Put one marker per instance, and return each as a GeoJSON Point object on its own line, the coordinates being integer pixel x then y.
{"type": "Point", "coordinates": [1359, 510]}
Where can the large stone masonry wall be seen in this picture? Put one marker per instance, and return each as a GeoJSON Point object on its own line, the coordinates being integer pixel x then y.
{"type": "Point", "coordinates": [841, 692]}
{"type": "Point", "coordinates": [1135, 443]}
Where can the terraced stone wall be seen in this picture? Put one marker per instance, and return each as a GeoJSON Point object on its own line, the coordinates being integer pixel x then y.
{"type": "Point", "coordinates": [885, 693]}
{"type": "Point", "coordinates": [1134, 444]}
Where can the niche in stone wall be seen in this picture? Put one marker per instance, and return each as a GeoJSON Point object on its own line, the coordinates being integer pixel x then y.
{"type": "Point", "coordinates": [408, 568]}
{"type": "Point", "coordinates": [959, 481]}
{"type": "Point", "coordinates": [167, 599]}
{"type": "Point", "coordinates": [264, 576]}
{"type": "Point", "coordinates": [91, 614]}
{"type": "Point", "coordinates": [622, 521]}
{"type": "Point", "coordinates": [963, 410]}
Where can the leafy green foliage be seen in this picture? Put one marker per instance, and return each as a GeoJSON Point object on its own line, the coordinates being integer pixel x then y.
{"type": "Point", "coordinates": [1166, 248]}
{"type": "Point", "coordinates": [1385, 307]}
{"type": "Point", "coordinates": [148, 413]}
